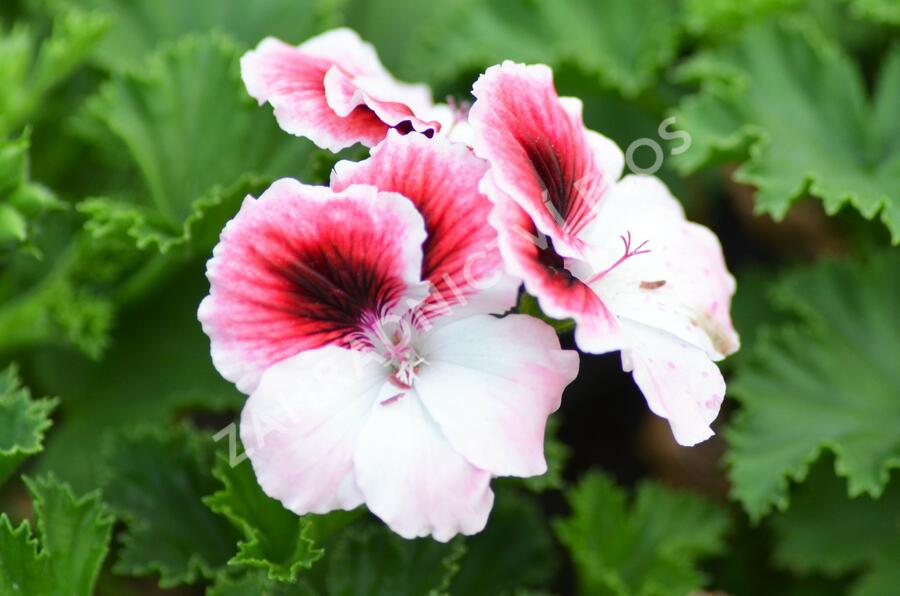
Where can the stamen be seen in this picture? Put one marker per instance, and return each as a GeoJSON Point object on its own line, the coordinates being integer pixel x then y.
{"type": "Point", "coordinates": [626, 240]}
{"type": "Point", "coordinates": [394, 341]}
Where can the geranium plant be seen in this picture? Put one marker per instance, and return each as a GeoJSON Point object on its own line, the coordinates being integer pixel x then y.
{"type": "Point", "coordinates": [603, 303]}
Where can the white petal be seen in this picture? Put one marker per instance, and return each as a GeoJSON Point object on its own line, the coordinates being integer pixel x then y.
{"type": "Point", "coordinates": [300, 427]}
{"type": "Point", "coordinates": [491, 384]}
{"type": "Point", "coordinates": [679, 285]}
{"type": "Point", "coordinates": [678, 380]}
{"type": "Point", "coordinates": [413, 479]}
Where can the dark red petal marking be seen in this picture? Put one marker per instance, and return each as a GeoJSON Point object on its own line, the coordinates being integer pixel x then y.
{"type": "Point", "coordinates": [538, 150]}
{"type": "Point", "coordinates": [441, 179]}
{"type": "Point", "coordinates": [531, 256]}
{"type": "Point", "coordinates": [302, 268]}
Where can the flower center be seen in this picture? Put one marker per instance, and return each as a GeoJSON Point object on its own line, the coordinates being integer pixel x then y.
{"type": "Point", "coordinates": [396, 340]}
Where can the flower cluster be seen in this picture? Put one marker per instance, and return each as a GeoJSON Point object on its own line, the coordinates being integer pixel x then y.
{"type": "Point", "coordinates": [367, 320]}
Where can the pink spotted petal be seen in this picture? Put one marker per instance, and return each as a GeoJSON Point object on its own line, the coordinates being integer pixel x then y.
{"type": "Point", "coordinates": [678, 380]}
{"type": "Point", "coordinates": [541, 155]}
{"type": "Point", "coordinates": [678, 283]}
{"type": "Point", "coordinates": [301, 424]}
{"type": "Point", "coordinates": [333, 90]}
{"type": "Point", "coordinates": [530, 256]}
{"type": "Point", "coordinates": [461, 258]}
{"type": "Point", "coordinates": [413, 479]}
{"type": "Point", "coordinates": [303, 267]}
{"type": "Point", "coordinates": [491, 383]}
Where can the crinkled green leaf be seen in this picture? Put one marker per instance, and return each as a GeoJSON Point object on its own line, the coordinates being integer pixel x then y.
{"type": "Point", "coordinates": [649, 546]}
{"type": "Point", "coordinates": [829, 382]}
{"type": "Point", "coordinates": [159, 366]}
{"type": "Point", "coordinates": [21, 200]}
{"type": "Point", "coordinates": [470, 35]}
{"type": "Point", "coordinates": [883, 11]}
{"type": "Point", "coordinates": [23, 422]}
{"type": "Point", "coordinates": [56, 310]}
{"type": "Point", "coordinates": [374, 561]}
{"type": "Point", "coordinates": [156, 480]}
{"type": "Point", "coordinates": [793, 107]}
{"type": "Point", "coordinates": [66, 554]}
{"type": "Point", "coordinates": [257, 583]}
{"type": "Point", "coordinates": [720, 19]}
{"type": "Point", "coordinates": [515, 552]}
{"type": "Point", "coordinates": [140, 26]}
{"type": "Point", "coordinates": [817, 533]}
{"type": "Point", "coordinates": [275, 539]}
{"type": "Point", "coordinates": [623, 44]}
{"type": "Point", "coordinates": [30, 68]}
{"type": "Point", "coordinates": [198, 141]}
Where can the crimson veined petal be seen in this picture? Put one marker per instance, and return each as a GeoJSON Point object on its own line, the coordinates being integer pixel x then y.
{"type": "Point", "coordinates": [529, 255]}
{"type": "Point", "coordinates": [304, 267]}
{"type": "Point", "coordinates": [333, 90]}
{"type": "Point", "coordinates": [460, 255]}
{"type": "Point", "coordinates": [541, 155]}
{"type": "Point", "coordinates": [490, 385]}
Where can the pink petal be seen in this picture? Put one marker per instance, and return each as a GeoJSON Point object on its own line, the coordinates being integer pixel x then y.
{"type": "Point", "coordinates": [678, 380]}
{"type": "Point", "coordinates": [413, 479]}
{"type": "Point", "coordinates": [441, 179]}
{"type": "Point", "coordinates": [530, 256]}
{"type": "Point", "coordinates": [540, 153]}
{"type": "Point", "coordinates": [490, 384]}
{"type": "Point", "coordinates": [295, 270]}
{"type": "Point", "coordinates": [679, 283]}
{"type": "Point", "coordinates": [300, 427]}
{"type": "Point", "coordinates": [333, 90]}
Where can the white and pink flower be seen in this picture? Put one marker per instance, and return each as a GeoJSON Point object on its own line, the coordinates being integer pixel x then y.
{"type": "Point", "coordinates": [617, 256]}
{"type": "Point", "coordinates": [333, 90]}
{"type": "Point", "coordinates": [360, 319]}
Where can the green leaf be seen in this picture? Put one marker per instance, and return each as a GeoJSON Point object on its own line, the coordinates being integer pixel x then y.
{"type": "Point", "coordinates": [275, 539]}
{"type": "Point", "coordinates": [825, 137]}
{"type": "Point", "coordinates": [528, 305]}
{"type": "Point", "coordinates": [515, 552]}
{"type": "Point", "coordinates": [373, 561]}
{"type": "Point", "coordinates": [57, 309]}
{"type": "Point", "coordinates": [155, 481]}
{"type": "Point", "coordinates": [720, 19]}
{"type": "Point", "coordinates": [650, 546]}
{"type": "Point", "coordinates": [158, 368]}
{"type": "Point", "coordinates": [623, 45]}
{"type": "Point", "coordinates": [257, 583]}
{"type": "Point", "coordinates": [21, 201]}
{"type": "Point", "coordinates": [829, 382]}
{"type": "Point", "coordinates": [813, 533]}
{"type": "Point", "coordinates": [70, 546]}
{"type": "Point", "coordinates": [470, 35]}
{"type": "Point", "coordinates": [23, 422]}
{"type": "Point", "coordinates": [880, 11]}
{"type": "Point", "coordinates": [199, 143]}
{"type": "Point", "coordinates": [142, 25]}
{"type": "Point", "coordinates": [30, 69]}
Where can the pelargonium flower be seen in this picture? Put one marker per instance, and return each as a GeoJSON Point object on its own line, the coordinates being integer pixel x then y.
{"type": "Point", "coordinates": [333, 90]}
{"type": "Point", "coordinates": [617, 256]}
{"type": "Point", "coordinates": [357, 319]}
